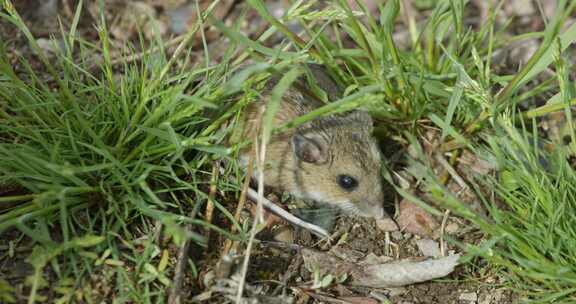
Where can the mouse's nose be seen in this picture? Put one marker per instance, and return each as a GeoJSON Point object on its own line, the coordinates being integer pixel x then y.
{"type": "Point", "coordinates": [379, 212]}
{"type": "Point", "coordinates": [373, 210]}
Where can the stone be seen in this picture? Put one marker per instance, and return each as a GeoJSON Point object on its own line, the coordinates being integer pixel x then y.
{"type": "Point", "coordinates": [386, 225]}
{"type": "Point", "coordinates": [468, 297]}
{"type": "Point", "coordinates": [428, 247]}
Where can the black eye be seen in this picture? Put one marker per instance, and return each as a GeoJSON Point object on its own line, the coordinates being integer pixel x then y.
{"type": "Point", "coordinates": [347, 182]}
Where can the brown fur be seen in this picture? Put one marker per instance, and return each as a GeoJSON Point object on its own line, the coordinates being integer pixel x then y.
{"type": "Point", "coordinates": [345, 144]}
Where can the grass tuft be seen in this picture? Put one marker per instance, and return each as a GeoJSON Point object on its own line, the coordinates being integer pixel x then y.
{"type": "Point", "coordinates": [103, 152]}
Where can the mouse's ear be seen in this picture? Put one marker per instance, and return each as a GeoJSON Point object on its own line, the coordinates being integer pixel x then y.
{"type": "Point", "coordinates": [310, 148]}
{"type": "Point", "coordinates": [361, 118]}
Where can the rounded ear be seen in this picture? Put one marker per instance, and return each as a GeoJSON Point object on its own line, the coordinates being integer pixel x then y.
{"type": "Point", "coordinates": [361, 118]}
{"type": "Point", "coordinates": [312, 149]}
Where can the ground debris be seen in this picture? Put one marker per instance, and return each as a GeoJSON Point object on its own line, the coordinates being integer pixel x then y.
{"type": "Point", "coordinates": [416, 220]}
{"type": "Point", "coordinates": [468, 297]}
{"type": "Point", "coordinates": [387, 224]}
{"type": "Point", "coordinates": [221, 285]}
{"type": "Point", "coordinates": [428, 247]}
{"type": "Point", "coordinates": [379, 275]}
{"type": "Point", "coordinates": [496, 296]}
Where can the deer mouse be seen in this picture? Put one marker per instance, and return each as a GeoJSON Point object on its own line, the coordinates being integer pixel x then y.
{"type": "Point", "coordinates": [332, 160]}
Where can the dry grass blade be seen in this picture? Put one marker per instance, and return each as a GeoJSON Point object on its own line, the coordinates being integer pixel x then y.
{"type": "Point", "coordinates": [258, 217]}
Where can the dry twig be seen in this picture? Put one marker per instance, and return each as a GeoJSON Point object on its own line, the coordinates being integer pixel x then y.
{"type": "Point", "coordinates": [442, 229]}
{"type": "Point", "coordinates": [258, 218]}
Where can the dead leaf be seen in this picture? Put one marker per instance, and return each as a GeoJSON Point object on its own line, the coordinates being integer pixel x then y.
{"type": "Point", "coordinates": [416, 220]}
{"type": "Point", "coordinates": [379, 275]}
{"type": "Point", "coordinates": [406, 272]}
{"type": "Point", "coordinates": [478, 165]}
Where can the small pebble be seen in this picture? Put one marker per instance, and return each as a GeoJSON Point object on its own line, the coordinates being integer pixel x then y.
{"type": "Point", "coordinates": [285, 235]}
{"type": "Point", "coordinates": [396, 291]}
{"type": "Point", "coordinates": [386, 225]}
{"type": "Point", "coordinates": [468, 297]}
{"type": "Point", "coordinates": [452, 228]}
{"type": "Point", "coordinates": [428, 247]}
{"type": "Point", "coordinates": [520, 8]}
{"type": "Point", "coordinates": [47, 45]}
{"type": "Point", "coordinates": [48, 9]}
{"type": "Point", "coordinates": [383, 298]}
{"type": "Point", "coordinates": [180, 18]}
{"type": "Point", "coordinates": [397, 235]}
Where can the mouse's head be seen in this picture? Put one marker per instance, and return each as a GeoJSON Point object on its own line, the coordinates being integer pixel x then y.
{"type": "Point", "coordinates": [338, 162]}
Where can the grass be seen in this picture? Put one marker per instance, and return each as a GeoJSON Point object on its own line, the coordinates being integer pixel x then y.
{"type": "Point", "coordinates": [529, 227]}
{"type": "Point", "coordinates": [100, 159]}
{"type": "Point", "coordinates": [105, 153]}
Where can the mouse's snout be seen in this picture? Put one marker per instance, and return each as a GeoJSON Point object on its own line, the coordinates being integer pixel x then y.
{"type": "Point", "coordinates": [374, 210]}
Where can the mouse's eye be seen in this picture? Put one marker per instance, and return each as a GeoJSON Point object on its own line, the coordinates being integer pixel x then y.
{"type": "Point", "coordinates": [347, 182]}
